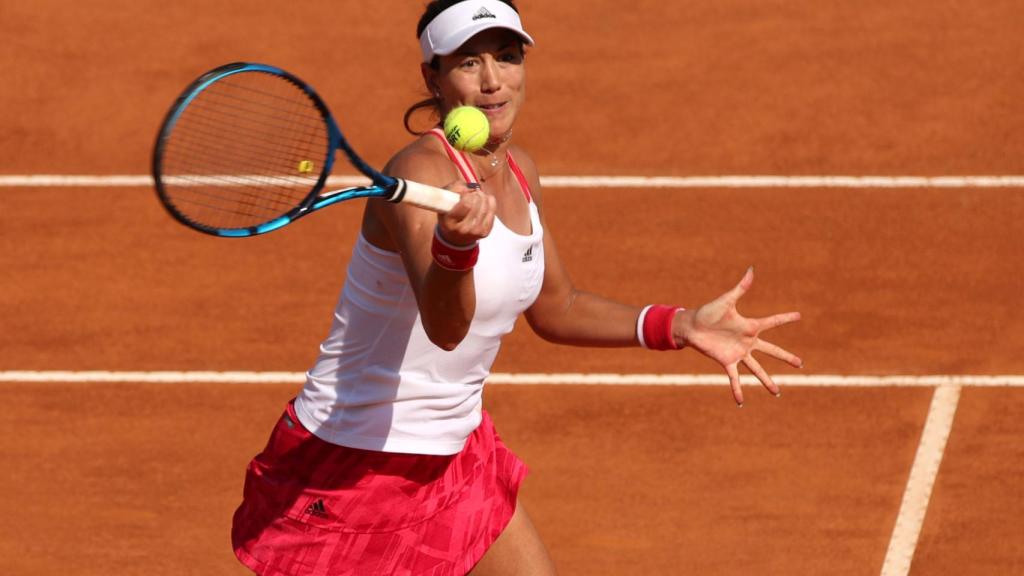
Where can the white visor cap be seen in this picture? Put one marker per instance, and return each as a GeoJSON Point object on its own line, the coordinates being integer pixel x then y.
{"type": "Point", "coordinates": [453, 27]}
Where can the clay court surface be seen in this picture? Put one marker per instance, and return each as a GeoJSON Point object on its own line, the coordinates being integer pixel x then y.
{"type": "Point", "coordinates": [907, 282]}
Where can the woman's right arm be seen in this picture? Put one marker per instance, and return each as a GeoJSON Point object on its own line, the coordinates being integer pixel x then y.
{"type": "Point", "coordinates": [446, 298]}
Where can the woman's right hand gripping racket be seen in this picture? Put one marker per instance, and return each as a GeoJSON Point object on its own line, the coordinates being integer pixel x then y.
{"type": "Point", "coordinates": [247, 149]}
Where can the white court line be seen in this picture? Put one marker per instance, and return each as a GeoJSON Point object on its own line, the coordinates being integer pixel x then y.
{"type": "Point", "coordinates": [918, 492]}
{"type": "Point", "coordinates": [1006, 181]}
{"type": "Point", "coordinates": [809, 380]}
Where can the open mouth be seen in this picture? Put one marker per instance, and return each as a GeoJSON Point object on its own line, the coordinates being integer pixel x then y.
{"type": "Point", "coordinates": [490, 109]}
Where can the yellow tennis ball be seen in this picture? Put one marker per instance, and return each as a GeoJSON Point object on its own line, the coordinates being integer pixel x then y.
{"type": "Point", "coordinates": [467, 128]}
{"type": "Point", "coordinates": [305, 167]}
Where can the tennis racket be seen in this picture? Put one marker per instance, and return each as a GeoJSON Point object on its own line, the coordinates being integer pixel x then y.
{"type": "Point", "coordinates": [247, 148]}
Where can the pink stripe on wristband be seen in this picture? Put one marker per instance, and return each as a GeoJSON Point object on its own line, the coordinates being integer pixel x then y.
{"type": "Point", "coordinates": [654, 327]}
{"type": "Point", "coordinates": [452, 257]}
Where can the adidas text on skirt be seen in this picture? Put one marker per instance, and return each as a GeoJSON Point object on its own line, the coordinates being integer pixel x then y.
{"type": "Point", "coordinates": [318, 509]}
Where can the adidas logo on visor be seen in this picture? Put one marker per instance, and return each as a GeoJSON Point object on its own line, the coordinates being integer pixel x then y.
{"type": "Point", "coordinates": [483, 13]}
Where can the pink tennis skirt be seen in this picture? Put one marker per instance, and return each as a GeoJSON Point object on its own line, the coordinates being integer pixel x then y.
{"type": "Point", "coordinates": [315, 508]}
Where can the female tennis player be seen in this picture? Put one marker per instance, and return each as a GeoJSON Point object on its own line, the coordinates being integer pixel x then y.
{"type": "Point", "coordinates": [386, 463]}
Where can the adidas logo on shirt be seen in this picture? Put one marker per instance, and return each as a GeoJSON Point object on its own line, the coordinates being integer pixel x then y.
{"type": "Point", "coordinates": [528, 257]}
{"type": "Point", "coordinates": [483, 13]}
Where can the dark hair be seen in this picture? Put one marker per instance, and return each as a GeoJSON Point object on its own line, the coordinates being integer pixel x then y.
{"type": "Point", "coordinates": [431, 11]}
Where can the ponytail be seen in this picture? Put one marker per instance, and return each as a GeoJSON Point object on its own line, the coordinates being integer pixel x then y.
{"type": "Point", "coordinates": [433, 104]}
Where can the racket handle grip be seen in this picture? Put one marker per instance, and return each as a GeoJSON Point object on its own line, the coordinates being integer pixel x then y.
{"type": "Point", "coordinates": [436, 199]}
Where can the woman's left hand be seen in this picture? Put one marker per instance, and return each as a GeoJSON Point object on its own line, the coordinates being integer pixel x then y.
{"type": "Point", "coordinates": [718, 331]}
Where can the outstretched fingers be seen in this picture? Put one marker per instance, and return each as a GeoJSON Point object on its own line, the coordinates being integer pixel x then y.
{"type": "Point", "coordinates": [734, 383]}
{"type": "Point", "coordinates": [777, 320]}
{"type": "Point", "coordinates": [750, 332]}
{"type": "Point", "coordinates": [779, 353]}
{"type": "Point", "coordinates": [733, 296]}
{"type": "Point", "coordinates": [757, 370]}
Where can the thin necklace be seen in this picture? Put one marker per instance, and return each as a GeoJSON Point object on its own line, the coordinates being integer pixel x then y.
{"type": "Point", "coordinates": [495, 161]}
{"type": "Point", "coordinates": [495, 164]}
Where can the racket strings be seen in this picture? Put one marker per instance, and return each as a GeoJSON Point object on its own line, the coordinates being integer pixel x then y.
{"type": "Point", "coordinates": [246, 150]}
{"type": "Point", "coordinates": [254, 196]}
{"type": "Point", "coordinates": [231, 171]}
{"type": "Point", "coordinates": [210, 123]}
{"type": "Point", "coordinates": [259, 118]}
{"type": "Point", "coordinates": [273, 128]}
{"type": "Point", "coordinates": [255, 136]}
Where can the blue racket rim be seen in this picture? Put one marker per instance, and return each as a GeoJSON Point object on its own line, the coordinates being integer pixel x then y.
{"type": "Point", "coordinates": [381, 185]}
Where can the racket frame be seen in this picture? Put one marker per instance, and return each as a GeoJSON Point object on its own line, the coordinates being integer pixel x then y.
{"type": "Point", "coordinates": [381, 186]}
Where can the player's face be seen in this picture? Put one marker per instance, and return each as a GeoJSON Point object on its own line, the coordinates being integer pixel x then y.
{"type": "Point", "coordinates": [488, 72]}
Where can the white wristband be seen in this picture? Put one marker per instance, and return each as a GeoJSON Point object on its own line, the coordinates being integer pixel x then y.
{"type": "Point", "coordinates": [640, 325]}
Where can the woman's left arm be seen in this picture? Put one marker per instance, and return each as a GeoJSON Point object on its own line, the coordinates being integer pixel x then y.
{"type": "Point", "coordinates": [562, 313]}
{"type": "Point", "coordinates": [566, 315]}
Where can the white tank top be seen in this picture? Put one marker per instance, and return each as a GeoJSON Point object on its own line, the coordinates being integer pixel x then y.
{"type": "Point", "coordinates": [379, 383]}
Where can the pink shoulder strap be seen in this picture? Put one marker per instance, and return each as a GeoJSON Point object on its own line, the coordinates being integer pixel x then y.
{"type": "Point", "coordinates": [460, 161]}
{"type": "Point", "coordinates": [523, 184]}
{"type": "Point", "coordinates": [465, 167]}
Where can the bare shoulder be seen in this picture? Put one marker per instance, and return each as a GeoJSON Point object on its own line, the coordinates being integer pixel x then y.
{"type": "Point", "coordinates": [530, 171]}
{"type": "Point", "coordinates": [423, 161]}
